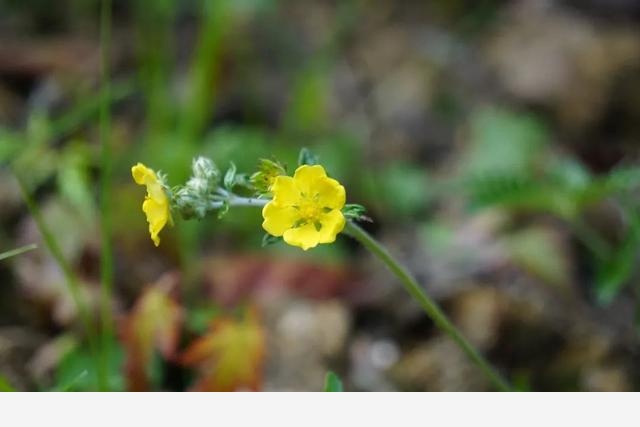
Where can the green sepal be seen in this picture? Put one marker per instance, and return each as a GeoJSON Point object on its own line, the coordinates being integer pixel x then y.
{"type": "Point", "coordinates": [268, 239]}
{"type": "Point", "coordinates": [306, 157]}
{"type": "Point", "coordinates": [268, 170]}
{"type": "Point", "coordinates": [230, 177]}
{"type": "Point", "coordinates": [355, 212]}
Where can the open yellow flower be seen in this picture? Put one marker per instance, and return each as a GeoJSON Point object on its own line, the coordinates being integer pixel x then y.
{"type": "Point", "coordinates": [156, 203]}
{"type": "Point", "coordinates": [306, 208]}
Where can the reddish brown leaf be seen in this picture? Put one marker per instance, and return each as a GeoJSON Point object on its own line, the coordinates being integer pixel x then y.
{"type": "Point", "coordinates": [153, 325]}
{"type": "Point", "coordinates": [231, 279]}
{"type": "Point", "coordinates": [230, 356]}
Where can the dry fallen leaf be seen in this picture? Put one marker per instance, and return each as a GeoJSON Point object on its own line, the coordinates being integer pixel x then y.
{"type": "Point", "coordinates": [153, 325]}
{"type": "Point", "coordinates": [230, 356]}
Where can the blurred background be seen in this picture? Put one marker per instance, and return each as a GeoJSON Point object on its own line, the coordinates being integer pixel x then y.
{"type": "Point", "coordinates": [495, 144]}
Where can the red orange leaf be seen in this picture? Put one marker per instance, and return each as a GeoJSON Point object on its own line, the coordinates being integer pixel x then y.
{"type": "Point", "coordinates": [153, 325]}
{"type": "Point", "coordinates": [230, 356]}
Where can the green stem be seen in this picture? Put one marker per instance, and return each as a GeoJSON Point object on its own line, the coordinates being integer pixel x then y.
{"type": "Point", "coordinates": [106, 253]}
{"type": "Point", "coordinates": [428, 305]}
{"type": "Point", "coordinates": [410, 284]}
{"type": "Point", "coordinates": [72, 282]}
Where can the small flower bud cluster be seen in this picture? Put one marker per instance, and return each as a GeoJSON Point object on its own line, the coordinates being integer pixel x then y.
{"type": "Point", "coordinates": [268, 170]}
{"type": "Point", "coordinates": [194, 199]}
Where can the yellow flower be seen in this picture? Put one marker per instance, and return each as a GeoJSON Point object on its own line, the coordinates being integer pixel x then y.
{"type": "Point", "coordinates": [306, 209]}
{"type": "Point", "coordinates": [156, 203]}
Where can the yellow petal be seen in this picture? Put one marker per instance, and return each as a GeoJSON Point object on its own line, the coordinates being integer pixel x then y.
{"type": "Point", "coordinates": [155, 190]}
{"type": "Point", "coordinates": [332, 224]}
{"type": "Point", "coordinates": [285, 191]}
{"type": "Point", "coordinates": [157, 216]}
{"type": "Point", "coordinates": [278, 218]}
{"type": "Point", "coordinates": [306, 176]}
{"type": "Point", "coordinates": [305, 237]}
{"type": "Point", "coordinates": [330, 193]}
{"type": "Point", "coordinates": [141, 173]}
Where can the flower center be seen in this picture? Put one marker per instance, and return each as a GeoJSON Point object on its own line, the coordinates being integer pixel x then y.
{"type": "Point", "coordinates": [309, 210]}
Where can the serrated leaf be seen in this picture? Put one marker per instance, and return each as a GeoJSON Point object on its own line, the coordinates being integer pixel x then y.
{"type": "Point", "coordinates": [230, 356]}
{"type": "Point", "coordinates": [153, 325]}
{"type": "Point", "coordinates": [230, 177]}
{"type": "Point", "coordinates": [519, 192]}
{"type": "Point", "coordinates": [617, 181]}
{"type": "Point", "coordinates": [306, 157]}
{"type": "Point", "coordinates": [332, 383]}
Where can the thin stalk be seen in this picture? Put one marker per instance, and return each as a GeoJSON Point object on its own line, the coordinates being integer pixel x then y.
{"type": "Point", "coordinates": [72, 282]}
{"type": "Point", "coordinates": [428, 305]}
{"type": "Point", "coordinates": [411, 286]}
{"type": "Point", "coordinates": [17, 251]}
{"type": "Point", "coordinates": [106, 252]}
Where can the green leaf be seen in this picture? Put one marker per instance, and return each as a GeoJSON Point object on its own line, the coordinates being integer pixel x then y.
{"type": "Point", "coordinates": [613, 274]}
{"type": "Point", "coordinates": [5, 386]}
{"type": "Point", "coordinates": [406, 187]}
{"type": "Point", "coordinates": [519, 192]}
{"type": "Point", "coordinates": [332, 383]}
{"type": "Point", "coordinates": [230, 177]}
{"type": "Point", "coordinates": [540, 252]}
{"type": "Point", "coordinates": [198, 319]}
{"type": "Point", "coordinates": [504, 141]}
{"type": "Point", "coordinates": [73, 383]}
{"type": "Point", "coordinates": [76, 371]}
{"type": "Point", "coordinates": [18, 251]}
{"type": "Point", "coordinates": [306, 157]}
{"type": "Point", "coordinates": [74, 182]}
{"type": "Point", "coordinates": [618, 180]}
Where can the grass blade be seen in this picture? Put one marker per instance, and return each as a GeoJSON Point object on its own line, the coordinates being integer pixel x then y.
{"type": "Point", "coordinates": [332, 383]}
{"type": "Point", "coordinates": [17, 251]}
{"type": "Point", "coordinates": [106, 255]}
{"type": "Point", "coordinates": [70, 278]}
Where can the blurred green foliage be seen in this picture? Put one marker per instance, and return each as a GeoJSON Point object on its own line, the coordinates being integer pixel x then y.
{"type": "Point", "coordinates": [508, 160]}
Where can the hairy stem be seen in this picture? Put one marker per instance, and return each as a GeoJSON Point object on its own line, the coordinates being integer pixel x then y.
{"type": "Point", "coordinates": [234, 200]}
{"type": "Point", "coordinates": [428, 305]}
